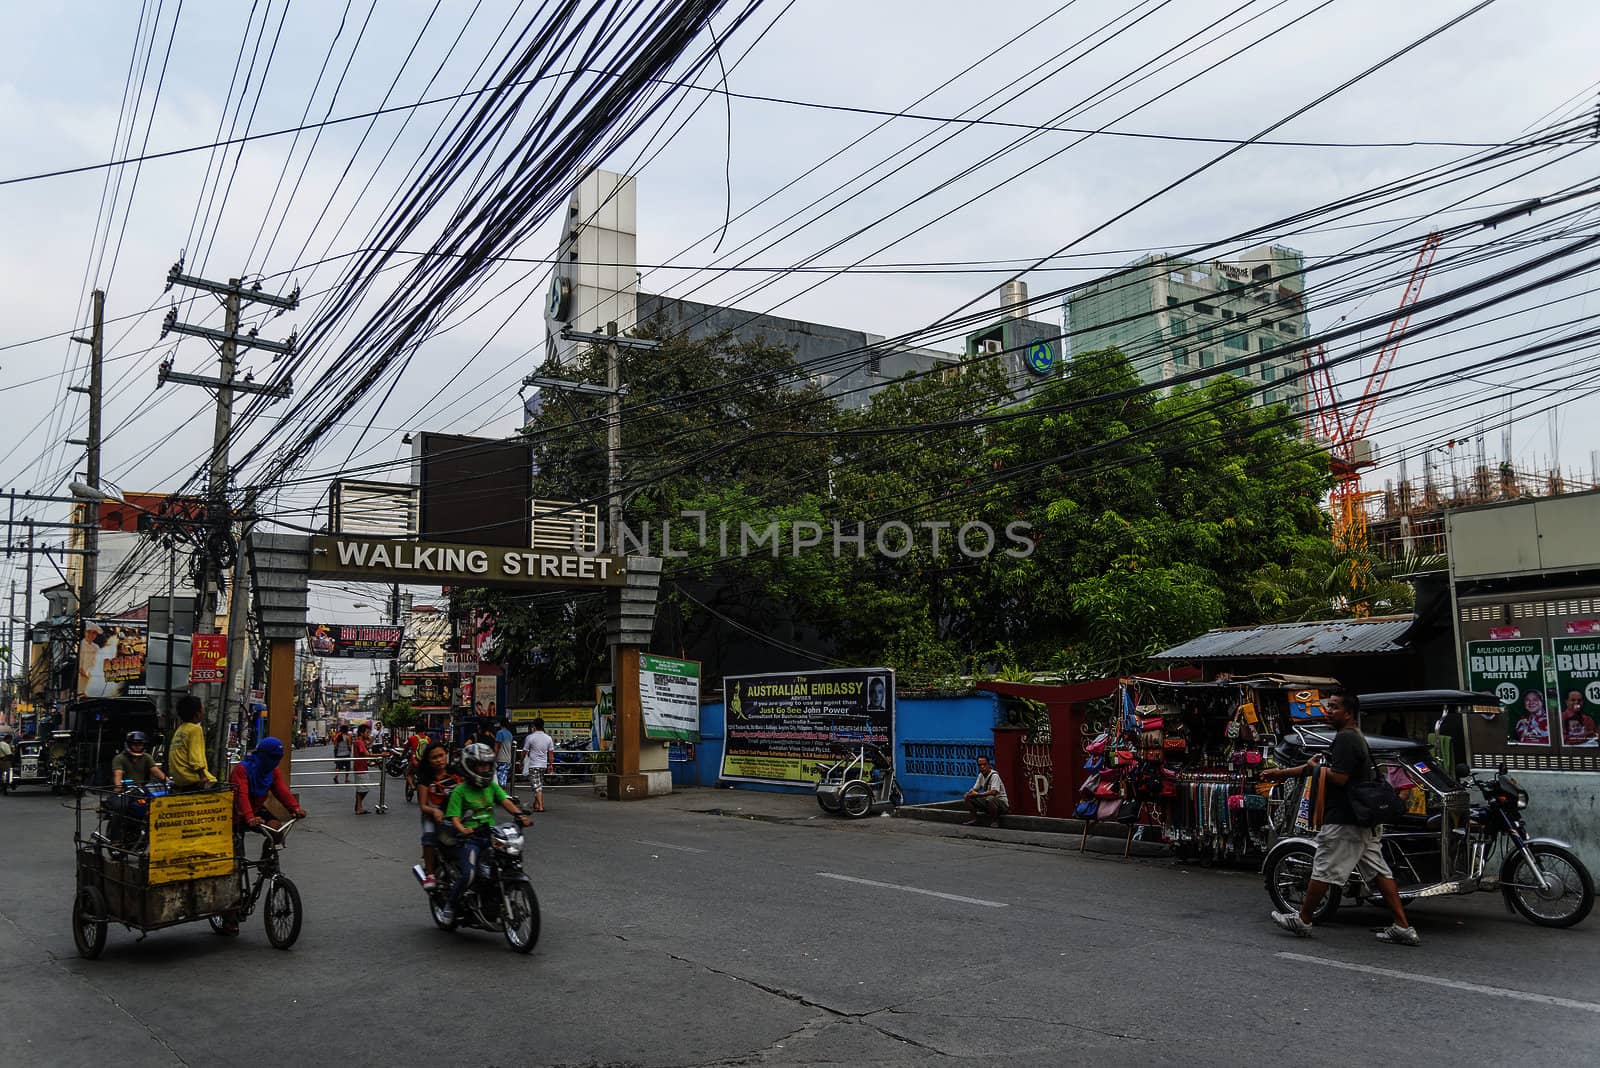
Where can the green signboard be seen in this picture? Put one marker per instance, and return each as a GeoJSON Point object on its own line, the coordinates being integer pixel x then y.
{"type": "Point", "coordinates": [669, 697]}
{"type": "Point", "coordinates": [1513, 670]}
{"type": "Point", "coordinates": [1578, 689]}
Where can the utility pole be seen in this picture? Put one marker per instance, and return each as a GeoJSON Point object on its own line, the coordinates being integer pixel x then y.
{"type": "Point", "coordinates": [11, 618]}
{"type": "Point", "coordinates": [229, 342]}
{"type": "Point", "coordinates": [91, 445]}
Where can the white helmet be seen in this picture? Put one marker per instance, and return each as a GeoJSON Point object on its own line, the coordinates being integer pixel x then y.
{"type": "Point", "coordinates": [477, 763]}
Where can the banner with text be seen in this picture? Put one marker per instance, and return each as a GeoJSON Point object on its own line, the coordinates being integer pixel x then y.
{"type": "Point", "coordinates": [111, 658]}
{"type": "Point", "coordinates": [426, 689]}
{"type": "Point", "coordinates": [777, 728]}
{"type": "Point", "coordinates": [355, 641]}
{"type": "Point", "coordinates": [669, 697]}
{"type": "Point", "coordinates": [208, 658]}
{"type": "Point", "coordinates": [1513, 670]}
{"type": "Point", "coordinates": [1578, 689]}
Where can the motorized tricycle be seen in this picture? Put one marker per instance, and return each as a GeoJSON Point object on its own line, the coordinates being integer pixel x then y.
{"type": "Point", "coordinates": [1444, 845]}
{"type": "Point", "coordinates": [859, 783]}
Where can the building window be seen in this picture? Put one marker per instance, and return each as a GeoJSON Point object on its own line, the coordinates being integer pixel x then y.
{"type": "Point", "coordinates": [1180, 357]}
{"type": "Point", "coordinates": [1238, 341]}
{"type": "Point", "coordinates": [1179, 328]}
{"type": "Point", "coordinates": [1173, 302]}
{"type": "Point", "coordinates": [1261, 273]}
{"type": "Point", "coordinates": [1266, 342]}
{"type": "Point", "coordinates": [1267, 373]}
{"type": "Point", "coordinates": [1205, 333]}
{"type": "Point", "coordinates": [1207, 359]}
{"type": "Point", "coordinates": [1205, 309]}
{"type": "Point", "coordinates": [1287, 328]}
{"type": "Point", "coordinates": [1226, 314]}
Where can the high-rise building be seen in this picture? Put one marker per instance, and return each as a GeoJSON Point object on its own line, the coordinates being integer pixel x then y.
{"type": "Point", "coordinates": [1175, 317]}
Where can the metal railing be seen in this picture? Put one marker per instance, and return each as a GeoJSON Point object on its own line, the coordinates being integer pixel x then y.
{"type": "Point", "coordinates": [574, 769]}
{"type": "Point", "coordinates": [333, 767]}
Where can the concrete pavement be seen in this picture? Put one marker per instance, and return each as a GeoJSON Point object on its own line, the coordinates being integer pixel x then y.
{"type": "Point", "coordinates": [719, 927]}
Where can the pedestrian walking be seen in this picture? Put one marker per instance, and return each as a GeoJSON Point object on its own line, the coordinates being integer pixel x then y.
{"type": "Point", "coordinates": [361, 748]}
{"type": "Point", "coordinates": [505, 751]}
{"type": "Point", "coordinates": [1343, 846]}
{"type": "Point", "coordinates": [341, 748]}
{"type": "Point", "coordinates": [538, 751]}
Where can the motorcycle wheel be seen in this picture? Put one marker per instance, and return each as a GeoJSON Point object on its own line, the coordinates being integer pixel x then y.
{"type": "Point", "coordinates": [1570, 893]}
{"type": "Point", "coordinates": [521, 917]}
{"type": "Point", "coordinates": [88, 932]}
{"type": "Point", "coordinates": [1287, 874]}
{"type": "Point", "coordinates": [282, 914]}
{"type": "Point", "coordinates": [855, 799]}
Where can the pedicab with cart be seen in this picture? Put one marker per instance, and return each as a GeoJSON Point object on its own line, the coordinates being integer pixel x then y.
{"type": "Point", "coordinates": [149, 859]}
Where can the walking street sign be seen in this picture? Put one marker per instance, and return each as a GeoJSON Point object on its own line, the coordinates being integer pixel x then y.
{"type": "Point", "coordinates": [346, 557]}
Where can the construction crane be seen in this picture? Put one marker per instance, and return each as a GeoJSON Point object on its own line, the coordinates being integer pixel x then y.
{"type": "Point", "coordinates": [1342, 427]}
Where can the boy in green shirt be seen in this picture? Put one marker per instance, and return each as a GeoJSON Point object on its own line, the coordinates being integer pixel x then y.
{"type": "Point", "coordinates": [470, 811]}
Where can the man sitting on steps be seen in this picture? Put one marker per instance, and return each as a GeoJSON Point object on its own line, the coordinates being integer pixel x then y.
{"type": "Point", "coordinates": [987, 796]}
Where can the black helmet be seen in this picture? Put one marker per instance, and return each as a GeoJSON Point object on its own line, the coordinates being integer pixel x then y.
{"type": "Point", "coordinates": [135, 738]}
{"type": "Point", "coordinates": [477, 763]}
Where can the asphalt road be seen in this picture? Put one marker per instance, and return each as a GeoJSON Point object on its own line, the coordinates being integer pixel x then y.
{"type": "Point", "coordinates": [678, 937]}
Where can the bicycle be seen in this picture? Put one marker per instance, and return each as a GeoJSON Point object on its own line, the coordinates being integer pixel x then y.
{"type": "Point", "coordinates": [282, 913]}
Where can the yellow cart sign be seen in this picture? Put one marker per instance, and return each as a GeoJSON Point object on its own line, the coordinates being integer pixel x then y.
{"type": "Point", "coordinates": [191, 836]}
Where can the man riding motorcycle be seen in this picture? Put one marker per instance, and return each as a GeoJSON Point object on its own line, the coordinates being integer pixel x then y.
{"type": "Point", "coordinates": [470, 811]}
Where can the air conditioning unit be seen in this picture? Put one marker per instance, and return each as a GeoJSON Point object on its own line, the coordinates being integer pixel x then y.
{"type": "Point", "coordinates": [992, 347]}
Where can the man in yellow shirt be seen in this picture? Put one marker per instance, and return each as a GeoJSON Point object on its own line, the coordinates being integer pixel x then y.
{"type": "Point", "coordinates": [186, 756]}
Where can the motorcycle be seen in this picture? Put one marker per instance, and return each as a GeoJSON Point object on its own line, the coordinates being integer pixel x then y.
{"type": "Point", "coordinates": [1454, 850]}
{"type": "Point", "coordinates": [859, 784]}
{"type": "Point", "coordinates": [501, 897]}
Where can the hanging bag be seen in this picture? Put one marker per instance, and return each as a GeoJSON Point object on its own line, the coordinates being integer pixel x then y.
{"type": "Point", "coordinates": [1375, 802]}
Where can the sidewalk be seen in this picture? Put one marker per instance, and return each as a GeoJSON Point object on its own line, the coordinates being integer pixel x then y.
{"type": "Point", "coordinates": [943, 821]}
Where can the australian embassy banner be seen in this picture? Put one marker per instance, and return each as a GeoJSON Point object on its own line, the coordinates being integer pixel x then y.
{"type": "Point", "coordinates": [776, 728]}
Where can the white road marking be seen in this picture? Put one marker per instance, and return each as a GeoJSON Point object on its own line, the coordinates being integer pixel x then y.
{"type": "Point", "coordinates": [668, 845]}
{"type": "Point", "coordinates": [915, 890]}
{"type": "Point", "coordinates": [1453, 984]}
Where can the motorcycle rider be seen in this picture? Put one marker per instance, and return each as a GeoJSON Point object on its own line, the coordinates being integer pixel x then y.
{"type": "Point", "coordinates": [134, 764]}
{"type": "Point", "coordinates": [470, 811]}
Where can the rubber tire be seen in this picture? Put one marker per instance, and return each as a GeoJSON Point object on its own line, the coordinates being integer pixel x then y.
{"type": "Point", "coordinates": [533, 907]}
{"type": "Point", "coordinates": [832, 808]}
{"type": "Point", "coordinates": [282, 886]}
{"type": "Point", "coordinates": [1515, 861]}
{"type": "Point", "coordinates": [855, 800]}
{"type": "Point", "coordinates": [1330, 904]}
{"type": "Point", "coordinates": [88, 935]}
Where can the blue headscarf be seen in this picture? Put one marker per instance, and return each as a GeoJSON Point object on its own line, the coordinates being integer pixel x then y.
{"type": "Point", "coordinates": [260, 765]}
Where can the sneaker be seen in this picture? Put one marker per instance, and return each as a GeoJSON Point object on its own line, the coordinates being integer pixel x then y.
{"type": "Point", "coordinates": [429, 882]}
{"type": "Point", "coordinates": [1400, 936]}
{"type": "Point", "coordinates": [1291, 922]}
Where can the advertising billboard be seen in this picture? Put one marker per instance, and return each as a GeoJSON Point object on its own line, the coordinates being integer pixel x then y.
{"type": "Point", "coordinates": [111, 658]}
{"type": "Point", "coordinates": [777, 728]}
{"type": "Point", "coordinates": [355, 641]}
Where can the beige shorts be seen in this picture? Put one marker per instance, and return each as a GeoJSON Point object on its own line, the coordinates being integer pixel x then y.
{"type": "Point", "coordinates": [1343, 848]}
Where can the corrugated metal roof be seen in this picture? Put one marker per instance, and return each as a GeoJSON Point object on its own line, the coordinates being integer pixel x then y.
{"type": "Point", "coordinates": [1325, 637]}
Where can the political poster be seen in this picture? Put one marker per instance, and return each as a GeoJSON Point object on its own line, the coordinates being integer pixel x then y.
{"type": "Point", "coordinates": [1514, 671]}
{"type": "Point", "coordinates": [778, 728]}
{"type": "Point", "coordinates": [1578, 689]}
{"type": "Point", "coordinates": [669, 697]}
{"type": "Point", "coordinates": [208, 658]}
{"type": "Point", "coordinates": [111, 658]}
{"type": "Point", "coordinates": [355, 641]}
{"type": "Point", "coordinates": [191, 836]}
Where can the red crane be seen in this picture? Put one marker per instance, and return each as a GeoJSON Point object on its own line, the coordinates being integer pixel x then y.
{"type": "Point", "coordinates": [1342, 427]}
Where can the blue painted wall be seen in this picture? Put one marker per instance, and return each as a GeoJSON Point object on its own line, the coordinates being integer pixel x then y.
{"type": "Point", "coordinates": [937, 743]}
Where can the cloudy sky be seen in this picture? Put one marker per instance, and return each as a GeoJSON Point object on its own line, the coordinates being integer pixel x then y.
{"type": "Point", "coordinates": [907, 184]}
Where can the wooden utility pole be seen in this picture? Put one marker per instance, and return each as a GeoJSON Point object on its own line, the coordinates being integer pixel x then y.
{"type": "Point", "coordinates": [229, 342]}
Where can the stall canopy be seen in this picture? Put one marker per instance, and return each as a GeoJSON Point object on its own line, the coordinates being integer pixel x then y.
{"type": "Point", "coordinates": [1380, 653]}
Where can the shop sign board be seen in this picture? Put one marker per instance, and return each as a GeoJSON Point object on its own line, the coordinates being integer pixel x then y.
{"type": "Point", "coordinates": [344, 556]}
{"type": "Point", "coordinates": [669, 697]}
{"type": "Point", "coordinates": [1514, 671]}
{"type": "Point", "coordinates": [564, 723]}
{"type": "Point", "coordinates": [777, 728]}
{"type": "Point", "coordinates": [425, 689]}
{"type": "Point", "coordinates": [208, 658]}
{"type": "Point", "coordinates": [1578, 689]}
{"type": "Point", "coordinates": [191, 836]}
{"type": "Point", "coordinates": [111, 658]}
{"type": "Point", "coordinates": [355, 641]}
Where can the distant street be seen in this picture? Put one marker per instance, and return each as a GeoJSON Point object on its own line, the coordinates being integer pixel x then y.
{"type": "Point", "coordinates": [673, 936]}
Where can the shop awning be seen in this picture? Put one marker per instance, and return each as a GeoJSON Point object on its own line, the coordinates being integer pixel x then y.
{"type": "Point", "coordinates": [1327, 637]}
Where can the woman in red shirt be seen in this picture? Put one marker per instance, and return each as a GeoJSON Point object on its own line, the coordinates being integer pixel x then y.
{"type": "Point", "coordinates": [360, 748]}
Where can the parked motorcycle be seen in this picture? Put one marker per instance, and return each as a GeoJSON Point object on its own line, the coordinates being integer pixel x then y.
{"type": "Point", "coordinates": [1458, 849]}
{"type": "Point", "coordinates": [501, 897]}
{"type": "Point", "coordinates": [859, 783]}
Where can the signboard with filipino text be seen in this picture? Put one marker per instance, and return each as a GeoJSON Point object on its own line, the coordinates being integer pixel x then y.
{"type": "Point", "coordinates": [355, 641]}
{"type": "Point", "coordinates": [208, 658]}
{"type": "Point", "coordinates": [561, 722]}
{"type": "Point", "coordinates": [1578, 689]}
{"type": "Point", "coordinates": [111, 658]}
{"type": "Point", "coordinates": [191, 836]}
{"type": "Point", "coordinates": [1514, 671]}
{"type": "Point", "coordinates": [669, 697]}
{"type": "Point", "coordinates": [777, 728]}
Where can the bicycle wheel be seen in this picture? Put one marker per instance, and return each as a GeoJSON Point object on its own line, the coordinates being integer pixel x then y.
{"type": "Point", "coordinates": [281, 913]}
{"type": "Point", "coordinates": [88, 922]}
{"type": "Point", "coordinates": [522, 917]}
